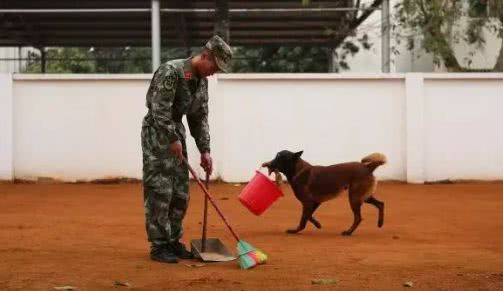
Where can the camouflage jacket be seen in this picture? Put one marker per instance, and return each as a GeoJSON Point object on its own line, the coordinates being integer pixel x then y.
{"type": "Point", "coordinates": [176, 91]}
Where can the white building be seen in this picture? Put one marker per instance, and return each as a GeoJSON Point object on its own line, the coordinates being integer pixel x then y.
{"type": "Point", "coordinates": [10, 59]}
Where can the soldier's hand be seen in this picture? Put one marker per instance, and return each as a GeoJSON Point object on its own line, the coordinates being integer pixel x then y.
{"type": "Point", "coordinates": [176, 149]}
{"type": "Point", "coordinates": [207, 163]}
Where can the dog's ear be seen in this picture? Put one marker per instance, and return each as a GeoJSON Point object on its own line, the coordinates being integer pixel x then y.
{"type": "Point", "coordinates": [297, 155]}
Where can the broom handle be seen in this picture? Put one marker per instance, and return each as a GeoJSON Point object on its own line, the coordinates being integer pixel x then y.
{"type": "Point", "coordinates": [205, 217]}
{"type": "Point", "coordinates": [208, 195]}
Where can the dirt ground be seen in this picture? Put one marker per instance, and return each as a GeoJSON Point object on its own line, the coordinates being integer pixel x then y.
{"type": "Point", "coordinates": [439, 237]}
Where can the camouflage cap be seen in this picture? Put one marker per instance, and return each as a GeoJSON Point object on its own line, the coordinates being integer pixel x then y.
{"type": "Point", "coordinates": [221, 51]}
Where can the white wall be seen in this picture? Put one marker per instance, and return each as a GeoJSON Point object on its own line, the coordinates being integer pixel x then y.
{"type": "Point", "coordinates": [464, 137]}
{"type": "Point", "coordinates": [6, 127]}
{"type": "Point", "coordinates": [332, 118]}
{"type": "Point", "coordinates": [78, 128]}
{"type": "Point", "coordinates": [431, 127]}
{"type": "Point", "coordinates": [72, 127]}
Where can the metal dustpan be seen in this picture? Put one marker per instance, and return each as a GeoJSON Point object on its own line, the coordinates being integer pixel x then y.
{"type": "Point", "coordinates": [213, 251]}
{"type": "Point", "coordinates": [209, 249]}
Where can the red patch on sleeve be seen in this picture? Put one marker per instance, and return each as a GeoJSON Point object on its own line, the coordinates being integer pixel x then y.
{"type": "Point", "coordinates": [188, 75]}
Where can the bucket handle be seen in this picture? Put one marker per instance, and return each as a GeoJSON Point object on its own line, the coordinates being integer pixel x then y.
{"type": "Point", "coordinates": [275, 180]}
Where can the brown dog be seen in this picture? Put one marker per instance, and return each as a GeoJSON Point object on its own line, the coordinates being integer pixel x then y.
{"type": "Point", "coordinates": [314, 185]}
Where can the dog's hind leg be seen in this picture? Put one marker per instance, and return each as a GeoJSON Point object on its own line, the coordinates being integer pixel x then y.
{"type": "Point", "coordinates": [307, 212]}
{"type": "Point", "coordinates": [312, 219]}
{"type": "Point", "coordinates": [380, 206]}
{"type": "Point", "coordinates": [356, 207]}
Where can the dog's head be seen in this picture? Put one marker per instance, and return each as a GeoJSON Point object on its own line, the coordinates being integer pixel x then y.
{"type": "Point", "coordinates": [284, 162]}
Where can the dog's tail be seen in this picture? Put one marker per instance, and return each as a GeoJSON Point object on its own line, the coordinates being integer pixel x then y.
{"type": "Point", "coordinates": [374, 160]}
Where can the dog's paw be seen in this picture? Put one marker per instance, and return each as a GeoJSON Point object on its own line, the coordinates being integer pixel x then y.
{"type": "Point", "coordinates": [292, 231]}
{"type": "Point", "coordinates": [317, 224]}
{"type": "Point", "coordinates": [346, 233]}
{"type": "Point", "coordinates": [380, 223]}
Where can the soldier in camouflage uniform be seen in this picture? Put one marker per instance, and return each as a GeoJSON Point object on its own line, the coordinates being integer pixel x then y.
{"type": "Point", "coordinates": [178, 88]}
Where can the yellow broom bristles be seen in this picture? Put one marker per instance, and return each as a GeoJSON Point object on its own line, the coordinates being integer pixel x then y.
{"type": "Point", "coordinates": [252, 258]}
{"type": "Point", "coordinates": [262, 257]}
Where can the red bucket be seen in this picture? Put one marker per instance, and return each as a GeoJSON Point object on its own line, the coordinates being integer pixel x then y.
{"type": "Point", "coordinates": [259, 194]}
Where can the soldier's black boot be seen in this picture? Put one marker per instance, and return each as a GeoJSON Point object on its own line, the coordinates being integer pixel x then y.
{"type": "Point", "coordinates": [163, 254]}
{"type": "Point", "coordinates": [181, 252]}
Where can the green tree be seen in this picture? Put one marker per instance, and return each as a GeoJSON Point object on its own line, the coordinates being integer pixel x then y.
{"type": "Point", "coordinates": [486, 14]}
{"type": "Point", "coordinates": [62, 60]}
{"type": "Point", "coordinates": [98, 60]}
{"type": "Point", "coordinates": [433, 20]}
{"type": "Point", "coordinates": [281, 59]}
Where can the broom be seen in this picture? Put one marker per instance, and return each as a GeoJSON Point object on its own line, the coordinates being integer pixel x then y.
{"type": "Point", "coordinates": [249, 256]}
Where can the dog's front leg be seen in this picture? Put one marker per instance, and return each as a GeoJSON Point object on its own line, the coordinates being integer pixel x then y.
{"type": "Point", "coordinates": [307, 211]}
{"type": "Point", "coordinates": [312, 219]}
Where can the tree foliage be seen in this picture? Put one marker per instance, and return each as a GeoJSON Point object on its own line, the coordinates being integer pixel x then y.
{"type": "Point", "coordinates": [435, 22]}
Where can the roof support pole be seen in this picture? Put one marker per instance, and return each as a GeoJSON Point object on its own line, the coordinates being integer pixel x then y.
{"type": "Point", "coordinates": [332, 60]}
{"type": "Point", "coordinates": [156, 35]}
{"type": "Point", "coordinates": [43, 59]}
{"type": "Point", "coordinates": [222, 19]}
{"type": "Point", "coordinates": [385, 39]}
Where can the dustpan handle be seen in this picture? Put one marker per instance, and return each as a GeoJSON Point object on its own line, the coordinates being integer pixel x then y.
{"type": "Point", "coordinates": [208, 195]}
{"type": "Point", "coordinates": [205, 217]}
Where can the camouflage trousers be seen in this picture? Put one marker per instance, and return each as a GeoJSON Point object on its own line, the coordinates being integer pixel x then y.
{"type": "Point", "coordinates": [165, 189]}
